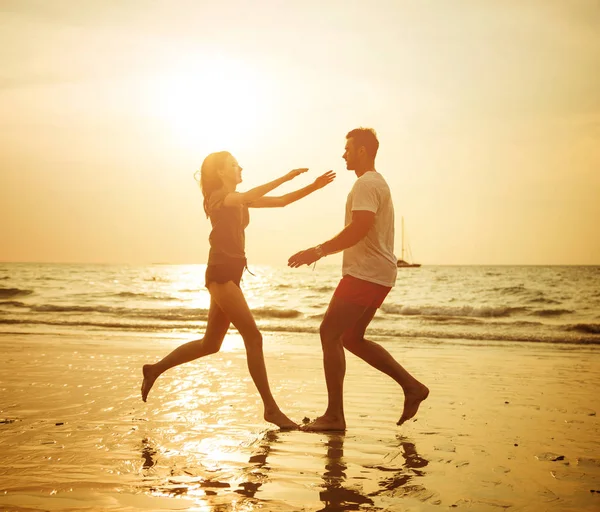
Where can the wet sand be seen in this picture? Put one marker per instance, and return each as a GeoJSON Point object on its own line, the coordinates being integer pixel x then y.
{"type": "Point", "coordinates": [506, 427]}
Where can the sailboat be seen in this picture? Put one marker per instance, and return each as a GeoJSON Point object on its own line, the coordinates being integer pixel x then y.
{"type": "Point", "coordinates": [402, 263]}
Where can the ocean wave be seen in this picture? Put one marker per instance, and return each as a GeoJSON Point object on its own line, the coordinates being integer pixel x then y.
{"type": "Point", "coordinates": [13, 303]}
{"type": "Point", "coordinates": [310, 329]}
{"type": "Point", "coordinates": [318, 289]}
{"type": "Point", "coordinates": [173, 314]}
{"type": "Point", "coordinates": [584, 328]}
{"type": "Point", "coordinates": [452, 311]}
{"type": "Point", "coordinates": [145, 296]}
{"type": "Point", "coordinates": [532, 334]}
{"type": "Point", "coordinates": [6, 293]}
{"type": "Point", "coordinates": [181, 314]}
{"type": "Point", "coordinates": [275, 313]}
{"type": "Point", "coordinates": [588, 333]}
{"type": "Point", "coordinates": [460, 320]}
{"type": "Point", "coordinates": [125, 326]}
{"type": "Point", "coordinates": [530, 337]}
{"type": "Point", "coordinates": [511, 290]}
{"type": "Point", "coordinates": [552, 312]}
{"type": "Point", "coordinates": [520, 290]}
{"type": "Point", "coordinates": [140, 326]}
{"type": "Point", "coordinates": [543, 300]}
{"type": "Point", "coordinates": [502, 337]}
{"type": "Point", "coordinates": [324, 289]}
{"type": "Point", "coordinates": [525, 323]}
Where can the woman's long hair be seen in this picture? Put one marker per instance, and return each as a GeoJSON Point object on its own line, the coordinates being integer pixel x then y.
{"type": "Point", "coordinates": [208, 176]}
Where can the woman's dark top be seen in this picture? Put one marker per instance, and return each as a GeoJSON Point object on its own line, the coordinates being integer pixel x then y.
{"type": "Point", "coordinates": [227, 238]}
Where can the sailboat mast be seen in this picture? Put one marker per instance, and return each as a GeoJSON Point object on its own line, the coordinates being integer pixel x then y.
{"type": "Point", "coordinates": [402, 238]}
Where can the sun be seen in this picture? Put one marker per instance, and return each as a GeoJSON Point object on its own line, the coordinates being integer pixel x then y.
{"type": "Point", "coordinates": [211, 103]}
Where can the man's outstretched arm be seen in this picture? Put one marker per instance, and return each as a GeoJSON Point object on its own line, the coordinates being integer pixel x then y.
{"type": "Point", "coordinates": [362, 221]}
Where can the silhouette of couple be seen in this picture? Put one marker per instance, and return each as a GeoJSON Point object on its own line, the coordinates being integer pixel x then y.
{"type": "Point", "coordinates": [368, 274]}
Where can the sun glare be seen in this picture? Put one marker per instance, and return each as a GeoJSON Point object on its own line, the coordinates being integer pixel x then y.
{"type": "Point", "coordinates": [213, 103]}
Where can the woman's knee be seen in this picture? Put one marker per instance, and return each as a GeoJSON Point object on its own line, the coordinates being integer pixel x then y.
{"type": "Point", "coordinates": [212, 347]}
{"type": "Point", "coordinates": [210, 344]}
{"type": "Point", "coordinates": [253, 339]}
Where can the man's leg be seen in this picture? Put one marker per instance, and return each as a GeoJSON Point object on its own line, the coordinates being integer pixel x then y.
{"type": "Point", "coordinates": [378, 357]}
{"type": "Point", "coordinates": [340, 316]}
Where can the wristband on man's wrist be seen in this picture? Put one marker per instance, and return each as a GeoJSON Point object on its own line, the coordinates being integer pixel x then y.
{"type": "Point", "coordinates": [319, 251]}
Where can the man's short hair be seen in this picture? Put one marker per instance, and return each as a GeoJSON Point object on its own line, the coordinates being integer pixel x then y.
{"type": "Point", "coordinates": [365, 137]}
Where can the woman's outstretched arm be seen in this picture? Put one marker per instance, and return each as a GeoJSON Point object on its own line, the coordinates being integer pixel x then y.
{"type": "Point", "coordinates": [280, 201]}
{"type": "Point", "coordinates": [238, 198]}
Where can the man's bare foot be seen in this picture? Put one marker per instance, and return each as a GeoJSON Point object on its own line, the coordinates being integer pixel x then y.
{"type": "Point", "coordinates": [149, 377]}
{"type": "Point", "coordinates": [412, 400]}
{"type": "Point", "coordinates": [325, 423]}
{"type": "Point", "coordinates": [280, 419]}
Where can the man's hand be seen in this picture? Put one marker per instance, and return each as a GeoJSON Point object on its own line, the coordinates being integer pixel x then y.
{"type": "Point", "coordinates": [296, 172]}
{"type": "Point", "coordinates": [303, 258]}
{"type": "Point", "coordinates": [324, 179]}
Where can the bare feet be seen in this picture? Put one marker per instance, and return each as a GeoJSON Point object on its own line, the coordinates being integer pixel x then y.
{"type": "Point", "coordinates": [412, 400]}
{"type": "Point", "coordinates": [325, 423]}
{"type": "Point", "coordinates": [280, 419]}
{"type": "Point", "coordinates": [149, 377]}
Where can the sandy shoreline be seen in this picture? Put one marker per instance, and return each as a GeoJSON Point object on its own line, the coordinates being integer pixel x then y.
{"type": "Point", "coordinates": [508, 426]}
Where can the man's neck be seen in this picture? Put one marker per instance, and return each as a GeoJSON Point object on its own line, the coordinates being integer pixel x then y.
{"type": "Point", "coordinates": [365, 169]}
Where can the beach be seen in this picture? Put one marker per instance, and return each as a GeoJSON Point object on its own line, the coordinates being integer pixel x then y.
{"type": "Point", "coordinates": [424, 175]}
{"type": "Point", "coordinates": [507, 426]}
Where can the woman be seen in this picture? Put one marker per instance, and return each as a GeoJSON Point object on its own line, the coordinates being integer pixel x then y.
{"type": "Point", "coordinates": [228, 212]}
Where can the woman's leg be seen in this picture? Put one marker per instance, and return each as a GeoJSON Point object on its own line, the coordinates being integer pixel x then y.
{"type": "Point", "coordinates": [231, 300]}
{"type": "Point", "coordinates": [216, 328]}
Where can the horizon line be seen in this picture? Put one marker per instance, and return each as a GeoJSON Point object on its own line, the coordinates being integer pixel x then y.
{"type": "Point", "coordinates": [283, 264]}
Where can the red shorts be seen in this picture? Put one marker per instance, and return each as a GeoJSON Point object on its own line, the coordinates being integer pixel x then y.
{"type": "Point", "coordinates": [361, 292]}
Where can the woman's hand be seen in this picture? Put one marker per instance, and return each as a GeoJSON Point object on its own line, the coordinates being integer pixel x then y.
{"type": "Point", "coordinates": [324, 179]}
{"type": "Point", "coordinates": [296, 172]}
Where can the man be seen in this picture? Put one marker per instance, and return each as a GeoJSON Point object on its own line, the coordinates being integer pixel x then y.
{"type": "Point", "coordinates": [368, 274]}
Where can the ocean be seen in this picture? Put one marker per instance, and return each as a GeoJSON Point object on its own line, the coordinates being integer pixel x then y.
{"type": "Point", "coordinates": [75, 434]}
{"type": "Point", "coordinates": [554, 304]}
{"type": "Point", "coordinates": [445, 304]}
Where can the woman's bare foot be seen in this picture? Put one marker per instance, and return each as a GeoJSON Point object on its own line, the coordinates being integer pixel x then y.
{"type": "Point", "coordinates": [412, 400]}
{"type": "Point", "coordinates": [325, 423]}
{"type": "Point", "coordinates": [281, 420]}
{"type": "Point", "coordinates": [149, 377]}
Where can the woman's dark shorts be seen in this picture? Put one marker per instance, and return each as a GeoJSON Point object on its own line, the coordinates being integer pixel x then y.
{"type": "Point", "coordinates": [224, 272]}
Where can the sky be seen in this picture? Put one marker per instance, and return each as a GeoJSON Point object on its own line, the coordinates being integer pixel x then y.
{"type": "Point", "coordinates": [488, 116]}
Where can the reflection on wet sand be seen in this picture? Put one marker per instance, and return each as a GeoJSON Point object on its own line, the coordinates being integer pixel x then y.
{"type": "Point", "coordinates": [342, 481]}
{"type": "Point", "coordinates": [199, 481]}
{"type": "Point", "coordinates": [256, 473]}
{"type": "Point", "coordinates": [337, 497]}
{"type": "Point", "coordinates": [400, 479]}
{"type": "Point", "coordinates": [148, 454]}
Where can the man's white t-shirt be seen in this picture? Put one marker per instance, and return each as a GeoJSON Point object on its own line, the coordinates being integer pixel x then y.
{"type": "Point", "coordinates": [372, 259]}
